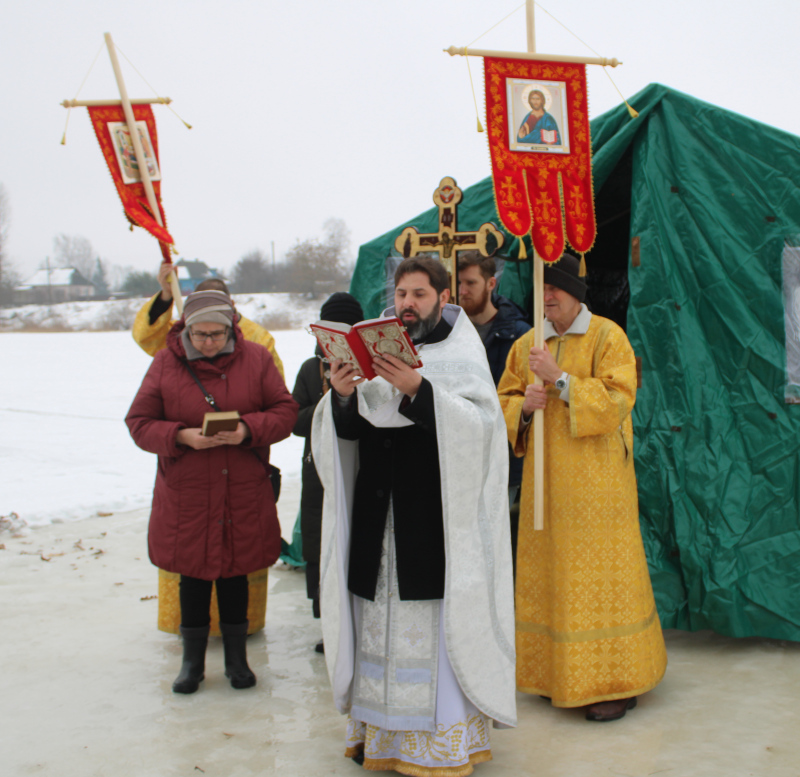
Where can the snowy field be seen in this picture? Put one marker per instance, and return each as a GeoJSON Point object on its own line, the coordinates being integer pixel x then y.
{"type": "Point", "coordinates": [65, 452]}
{"type": "Point", "coordinates": [272, 311]}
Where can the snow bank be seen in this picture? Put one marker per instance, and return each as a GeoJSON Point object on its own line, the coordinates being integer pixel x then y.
{"type": "Point", "coordinates": [272, 311]}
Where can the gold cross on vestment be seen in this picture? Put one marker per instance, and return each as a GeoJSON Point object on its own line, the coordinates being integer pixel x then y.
{"type": "Point", "coordinates": [448, 241]}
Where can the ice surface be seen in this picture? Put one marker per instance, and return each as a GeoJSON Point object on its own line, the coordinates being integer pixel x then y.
{"type": "Point", "coordinates": [65, 452]}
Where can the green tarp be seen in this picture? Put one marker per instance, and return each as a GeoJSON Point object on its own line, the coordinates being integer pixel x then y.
{"type": "Point", "coordinates": [711, 196]}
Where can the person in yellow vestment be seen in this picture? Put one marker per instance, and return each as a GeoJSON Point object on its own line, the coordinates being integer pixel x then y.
{"type": "Point", "coordinates": [154, 319]}
{"type": "Point", "coordinates": [587, 629]}
{"type": "Point", "coordinates": [150, 328]}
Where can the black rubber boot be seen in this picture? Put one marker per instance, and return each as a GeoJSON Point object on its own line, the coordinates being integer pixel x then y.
{"type": "Point", "coordinates": [194, 659]}
{"type": "Point", "coordinates": [234, 638]}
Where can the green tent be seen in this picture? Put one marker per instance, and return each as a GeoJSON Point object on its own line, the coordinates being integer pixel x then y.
{"type": "Point", "coordinates": [695, 209]}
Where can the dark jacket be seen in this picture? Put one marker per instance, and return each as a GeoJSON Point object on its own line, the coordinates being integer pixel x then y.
{"type": "Point", "coordinates": [401, 463]}
{"type": "Point", "coordinates": [213, 511]}
{"type": "Point", "coordinates": [507, 326]}
{"type": "Point", "coordinates": [308, 390]}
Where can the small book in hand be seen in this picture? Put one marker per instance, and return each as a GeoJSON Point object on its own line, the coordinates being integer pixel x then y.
{"type": "Point", "coordinates": [220, 422]}
{"type": "Point", "coordinates": [359, 344]}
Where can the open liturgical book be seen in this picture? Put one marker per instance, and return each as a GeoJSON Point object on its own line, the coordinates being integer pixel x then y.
{"type": "Point", "coordinates": [359, 344]}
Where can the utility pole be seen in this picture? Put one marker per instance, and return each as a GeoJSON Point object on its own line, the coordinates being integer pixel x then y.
{"type": "Point", "coordinates": [49, 289]}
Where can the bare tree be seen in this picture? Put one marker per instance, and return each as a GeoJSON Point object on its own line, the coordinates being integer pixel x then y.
{"type": "Point", "coordinates": [314, 266]}
{"type": "Point", "coordinates": [8, 277]}
{"type": "Point", "coordinates": [252, 273]}
{"type": "Point", "coordinates": [75, 251]}
{"type": "Point", "coordinates": [99, 279]}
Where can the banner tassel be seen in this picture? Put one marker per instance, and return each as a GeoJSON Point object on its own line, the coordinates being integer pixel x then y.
{"type": "Point", "coordinates": [582, 270]}
{"type": "Point", "coordinates": [523, 254]}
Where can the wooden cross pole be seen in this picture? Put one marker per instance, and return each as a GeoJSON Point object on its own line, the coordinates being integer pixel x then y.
{"type": "Point", "coordinates": [448, 241]}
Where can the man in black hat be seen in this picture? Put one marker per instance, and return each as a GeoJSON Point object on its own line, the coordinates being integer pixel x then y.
{"type": "Point", "coordinates": [587, 630]}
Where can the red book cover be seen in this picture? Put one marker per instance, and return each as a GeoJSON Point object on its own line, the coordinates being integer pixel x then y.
{"type": "Point", "coordinates": [359, 344]}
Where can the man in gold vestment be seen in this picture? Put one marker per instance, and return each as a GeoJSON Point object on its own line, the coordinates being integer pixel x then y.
{"type": "Point", "coordinates": [587, 629]}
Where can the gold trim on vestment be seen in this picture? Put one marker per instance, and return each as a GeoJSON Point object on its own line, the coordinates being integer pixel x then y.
{"type": "Point", "coordinates": [591, 635]}
{"type": "Point", "coordinates": [595, 699]}
{"type": "Point", "coordinates": [417, 770]}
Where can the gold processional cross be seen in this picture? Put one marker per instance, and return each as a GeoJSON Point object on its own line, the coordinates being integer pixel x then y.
{"type": "Point", "coordinates": [448, 241]}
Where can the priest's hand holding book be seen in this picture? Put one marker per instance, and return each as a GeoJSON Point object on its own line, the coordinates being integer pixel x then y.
{"type": "Point", "coordinates": [404, 378]}
{"type": "Point", "coordinates": [345, 377]}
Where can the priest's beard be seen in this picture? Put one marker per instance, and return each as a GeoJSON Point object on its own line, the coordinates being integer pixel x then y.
{"type": "Point", "coordinates": [421, 327]}
{"type": "Point", "coordinates": [474, 307]}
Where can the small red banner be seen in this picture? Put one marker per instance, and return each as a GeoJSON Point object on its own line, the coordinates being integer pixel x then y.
{"type": "Point", "coordinates": [115, 142]}
{"type": "Point", "coordinates": [537, 118]}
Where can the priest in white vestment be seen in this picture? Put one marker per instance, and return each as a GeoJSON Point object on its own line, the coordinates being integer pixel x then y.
{"type": "Point", "coordinates": [416, 577]}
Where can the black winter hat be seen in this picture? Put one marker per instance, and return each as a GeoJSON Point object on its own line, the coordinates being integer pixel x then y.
{"type": "Point", "coordinates": [564, 274]}
{"type": "Point", "coordinates": [342, 307]}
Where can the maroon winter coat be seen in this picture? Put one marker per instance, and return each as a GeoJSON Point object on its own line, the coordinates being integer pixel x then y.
{"type": "Point", "coordinates": [213, 510]}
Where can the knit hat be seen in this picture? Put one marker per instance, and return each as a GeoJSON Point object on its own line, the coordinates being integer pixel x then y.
{"type": "Point", "coordinates": [564, 274]}
{"type": "Point", "coordinates": [208, 306]}
{"type": "Point", "coordinates": [342, 307]}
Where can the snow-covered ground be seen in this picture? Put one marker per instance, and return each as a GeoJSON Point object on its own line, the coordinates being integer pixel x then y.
{"type": "Point", "coordinates": [65, 452]}
{"type": "Point", "coordinates": [273, 311]}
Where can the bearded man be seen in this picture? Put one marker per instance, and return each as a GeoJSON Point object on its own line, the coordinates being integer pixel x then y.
{"type": "Point", "coordinates": [416, 589]}
{"type": "Point", "coordinates": [588, 633]}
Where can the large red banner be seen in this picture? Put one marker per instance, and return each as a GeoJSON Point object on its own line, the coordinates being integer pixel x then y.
{"type": "Point", "coordinates": [115, 142]}
{"type": "Point", "coordinates": [538, 129]}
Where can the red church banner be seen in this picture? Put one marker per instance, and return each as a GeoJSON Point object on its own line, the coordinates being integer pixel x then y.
{"type": "Point", "coordinates": [537, 120]}
{"type": "Point", "coordinates": [115, 142]}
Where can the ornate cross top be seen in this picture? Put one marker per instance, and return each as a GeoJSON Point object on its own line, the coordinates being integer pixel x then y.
{"type": "Point", "coordinates": [448, 241]}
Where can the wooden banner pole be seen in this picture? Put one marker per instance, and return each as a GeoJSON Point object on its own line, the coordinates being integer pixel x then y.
{"type": "Point", "coordinates": [141, 160]}
{"type": "Point", "coordinates": [538, 336]}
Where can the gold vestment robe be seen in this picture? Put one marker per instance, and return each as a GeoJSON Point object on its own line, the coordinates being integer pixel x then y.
{"type": "Point", "coordinates": [587, 629]}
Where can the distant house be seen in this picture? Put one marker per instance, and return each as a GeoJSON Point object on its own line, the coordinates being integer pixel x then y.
{"type": "Point", "coordinates": [192, 273]}
{"type": "Point", "coordinates": [59, 284]}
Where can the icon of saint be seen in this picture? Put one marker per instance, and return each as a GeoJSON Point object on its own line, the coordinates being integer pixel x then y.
{"type": "Point", "coordinates": [538, 126]}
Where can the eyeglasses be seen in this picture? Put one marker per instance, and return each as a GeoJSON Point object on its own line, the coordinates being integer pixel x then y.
{"type": "Point", "coordinates": [201, 337]}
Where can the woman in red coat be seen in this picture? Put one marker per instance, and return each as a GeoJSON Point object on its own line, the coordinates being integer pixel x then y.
{"type": "Point", "coordinates": [213, 518]}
